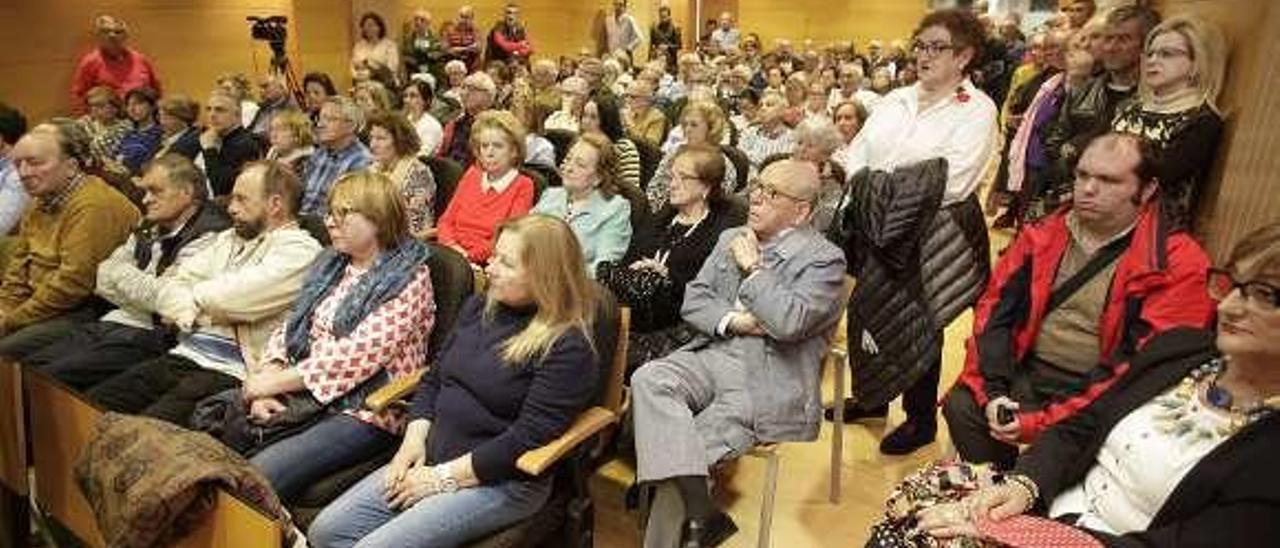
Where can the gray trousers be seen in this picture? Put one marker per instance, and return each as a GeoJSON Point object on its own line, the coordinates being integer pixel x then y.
{"type": "Point", "coordinates": [691, 410]}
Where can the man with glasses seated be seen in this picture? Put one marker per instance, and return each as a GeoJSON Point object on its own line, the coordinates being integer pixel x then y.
{"type": "Point", "coordinates": [1071, 301]}
{"type": "Point", "coordinates": [762, 306]}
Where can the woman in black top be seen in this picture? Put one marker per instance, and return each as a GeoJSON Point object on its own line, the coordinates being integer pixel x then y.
{"type": "Point", "coordinates": [513, 375]}
{"type": "Point", "coordinates": [667, 252]}
{"type": "Point", "coordinates": [1182, 451]}
{"type": "Point", "coordinates": [1182, 72]}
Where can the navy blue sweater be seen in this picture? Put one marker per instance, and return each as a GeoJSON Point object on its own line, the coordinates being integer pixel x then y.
{"type": "Point", "coordinates": [477, 403]}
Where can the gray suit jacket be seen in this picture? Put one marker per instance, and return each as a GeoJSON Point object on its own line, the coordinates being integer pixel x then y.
{"type": "Point", "coordinates": [796, 296]}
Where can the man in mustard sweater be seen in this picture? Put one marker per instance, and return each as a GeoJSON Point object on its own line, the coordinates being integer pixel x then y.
{"type": "Point", "coordinates": [74, 222]}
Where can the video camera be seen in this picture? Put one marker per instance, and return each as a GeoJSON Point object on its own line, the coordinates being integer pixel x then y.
{"type": "Point", "coordinates": [273, 30]}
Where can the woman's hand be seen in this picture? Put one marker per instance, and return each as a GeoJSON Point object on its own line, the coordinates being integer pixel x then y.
{"type": "Point", "coordinates": [411, 455]}
{"type": "Point", "coordinates": [418, 483]}
{"type": "Point", "coordinates": [948, 520]}
{"type": "Point", "coordinates": [999, 502]}
{"type": "Point", "coordinates": [262, 410]}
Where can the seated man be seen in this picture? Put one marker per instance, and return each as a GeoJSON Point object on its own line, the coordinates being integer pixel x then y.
{"type": "Point", "coordinates": [225, 301]}
{"type": "Point", "coordinates": [75, 222]}
{"type": "Point", "coordinates": [1074, 296]}
{"type": "Point", "coordinates": [225, 145]}
{"type": "Point", "coordinates": [179, 222]}
{"type": "Point", "coordinates": [340, 152]}
{"type": "Point", "coordinates": [763, 304]}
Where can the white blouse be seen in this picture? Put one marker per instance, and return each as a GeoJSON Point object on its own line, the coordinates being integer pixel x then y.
{"type": "Point", "coordinates": [430, 134]}
{"type": "Point", "coordinates": [1137, 469]}
{"type": "Point", "coordinates": [960, 127]}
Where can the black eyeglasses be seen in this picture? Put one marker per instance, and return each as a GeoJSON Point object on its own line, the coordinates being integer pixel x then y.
{"type": "Point", "coordinates": [1261, 295]}
{"type": "Point", "coordinates": [931, 48]}
{"type": "Point", "coordinates": [771, 192]}
{"type": "Point", "coordinates": [339, 214]}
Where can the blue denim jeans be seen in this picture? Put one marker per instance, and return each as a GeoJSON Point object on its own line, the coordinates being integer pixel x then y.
{"type": "Point", "coordinates": [331, 445]}
{"type": "Point", "coordinates": [361, 518]}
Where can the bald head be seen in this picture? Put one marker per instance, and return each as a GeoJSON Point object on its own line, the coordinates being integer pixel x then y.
{"type": "Point", "coordinates": [782, 198]}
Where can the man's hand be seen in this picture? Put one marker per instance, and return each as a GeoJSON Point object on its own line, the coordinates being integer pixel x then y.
{"type": "Point", "coordinates": [1007, 432]}
{"type": "Point", "coordinates": [210, 139]}
{"type": "Point", "coordinates": [746, 323]}
{"type": "Point", "coordinates": [746, 250]}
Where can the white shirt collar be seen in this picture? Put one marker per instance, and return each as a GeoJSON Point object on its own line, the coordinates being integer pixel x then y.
{"type": "Point", "coordinates": [500, 184]}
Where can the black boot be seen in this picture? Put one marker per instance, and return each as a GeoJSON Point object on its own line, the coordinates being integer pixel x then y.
{"type": "Point", "coordinates": [908, 437]}
{"type": "Point", "coordinates": [853, 413]}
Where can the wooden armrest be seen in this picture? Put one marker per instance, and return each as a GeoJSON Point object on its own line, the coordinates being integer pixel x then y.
{"type": "Point", "coordinates": [394, 391]}
{"type": "Point", "coordinates": [587, 424]}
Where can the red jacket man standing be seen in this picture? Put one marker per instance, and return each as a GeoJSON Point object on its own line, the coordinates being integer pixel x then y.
{"type": "Point", "coordinates": [111, 64]}
{"type": "Point", "coordinates": [1070, 301]}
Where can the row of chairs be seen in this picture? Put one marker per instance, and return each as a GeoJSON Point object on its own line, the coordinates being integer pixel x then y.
{"type": "Point", "coordinates": [44, 425]}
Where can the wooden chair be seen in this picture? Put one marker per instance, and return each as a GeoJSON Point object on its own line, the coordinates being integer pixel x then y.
{"type": "Point", "coordinates": [14, 518]}
{"type": "Point", "coordinates": [446, 173]}
{"type": "Point", "coordinates": [61, 424]}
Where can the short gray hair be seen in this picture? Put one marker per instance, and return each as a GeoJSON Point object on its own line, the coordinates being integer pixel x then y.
{"type": "Point", "coordinates": [350, 109]}
{"type": "Point", "coordinates": [819, 132]}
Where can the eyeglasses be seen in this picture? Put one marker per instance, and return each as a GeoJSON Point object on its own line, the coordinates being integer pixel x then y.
{"type": "Point", "coordinates": [931, 48]}
{"type": "Point", "coordinates": [337, 215]}
{"type": "Point", "coordinates": [1165, 54]}
{"type": "Point", "coordinates": [1262, 296]}
{"type": "Point", "coordinates": [771, 192]}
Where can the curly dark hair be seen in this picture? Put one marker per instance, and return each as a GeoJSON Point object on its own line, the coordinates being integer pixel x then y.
{"type": "Point", "coordinates": [382, 24]}
{"type": "Point", "coordinates": [965, 30]}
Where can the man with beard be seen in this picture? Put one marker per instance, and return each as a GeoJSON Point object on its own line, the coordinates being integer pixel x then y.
{"type": "Point", "coordinates": [225, 301]}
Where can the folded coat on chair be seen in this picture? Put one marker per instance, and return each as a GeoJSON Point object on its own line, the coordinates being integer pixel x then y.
{"type": "Point", "coordinates": [150, 482]}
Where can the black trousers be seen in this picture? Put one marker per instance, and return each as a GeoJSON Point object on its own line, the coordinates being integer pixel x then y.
{"type": "Point", "coordinates": [1035, 384]}
{"type": "Point", "coordinates": [166, 388]}
{"type": "Point", "coordinates": [94, 352]}
{"type": "Point", "coordinates": [920, 401]}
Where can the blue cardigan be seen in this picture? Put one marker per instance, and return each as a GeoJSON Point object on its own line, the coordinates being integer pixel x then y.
{"type": "Point", "coordinates": [477, 403]}
{"type": "Point", "coordinates": [603, 228]}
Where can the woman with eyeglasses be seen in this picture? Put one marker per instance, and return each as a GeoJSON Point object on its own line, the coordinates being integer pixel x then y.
{"type": "Point", "coordinates": [1181, 451]}
{"type": "Point", "coordinates": [1182, 73]}
{"type": "Point", "coordinates": [942, 117]}
{"type": "Point", "coordinates": [363, 317]}
{"type": "Point", "coordinates": [703, 123]}
{"type": "Point", "coordinates": [667, 251]}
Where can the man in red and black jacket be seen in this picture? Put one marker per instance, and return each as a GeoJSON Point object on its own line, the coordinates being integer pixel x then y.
{"type": "Point", "coordinates": [1068, 303]}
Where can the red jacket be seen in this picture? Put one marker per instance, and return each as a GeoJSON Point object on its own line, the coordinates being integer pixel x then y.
{"type": "Point", "coordinates": [1159, 283]}
{"type": "Point", "coordinates": [133, 70]}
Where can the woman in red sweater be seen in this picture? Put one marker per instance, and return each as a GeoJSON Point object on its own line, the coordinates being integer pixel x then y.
{"type": "Point", "coordinates": [491, 191]}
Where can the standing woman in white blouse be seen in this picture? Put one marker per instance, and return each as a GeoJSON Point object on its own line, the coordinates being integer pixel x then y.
{"type": "Point", "coordinates": [941, 116]}
{"type": "Point", "coordinates": [373, 49]}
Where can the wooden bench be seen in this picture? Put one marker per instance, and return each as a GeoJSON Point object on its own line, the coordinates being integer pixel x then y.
{"type": "Point", "coordinates": [61, 423]}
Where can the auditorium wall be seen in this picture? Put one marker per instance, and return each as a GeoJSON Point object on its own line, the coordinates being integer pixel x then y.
{"type": "Point", "coordinates": [830, 20]}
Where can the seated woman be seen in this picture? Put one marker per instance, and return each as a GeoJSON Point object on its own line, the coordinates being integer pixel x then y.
{"type": "Point", "coordinates": [104, 123]}
{"type": "Point", "coordinates": [292, 140]}
{"type": "Point", "coordinates": [364, 311]}
{"type": "Point", "coordinates": [573, 96]}
{"type": "Point", "coordinates": [491, 190]}
{"type": "Point", "coordinates": [816, 140]}
{"type": "Point", "coordinates": [1182, 450]}
{"type": "Point", "coordinates": [178, 115]}
{"type": "Point", "coordinates": [517, 370]}
{"type": "Point", "coordinates": [589, 201]}
{"type": "Point", "coordinates": [667, 252]}
{"type": "Point", "coordinates": [601, 116]}
{"type": "Point", "coordinates": [702, 123]}
{"type": "Point", "coordinates": [417, 97]}
{"type": "Point", "coordinates": [848, 117]}
{"type": "Point", "coordinates": [1184, 66]}
{"type": "Point", "coordinates": [395, 146]}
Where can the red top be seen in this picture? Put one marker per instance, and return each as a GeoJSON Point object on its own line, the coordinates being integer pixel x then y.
{"type": "Point", "coordinates": [131, 71]}
{"type": "Point", "coordinates": [474, 213]}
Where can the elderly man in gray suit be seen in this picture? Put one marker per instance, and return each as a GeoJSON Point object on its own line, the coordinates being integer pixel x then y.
{"type": "Point", "coordinates": [763, 303]}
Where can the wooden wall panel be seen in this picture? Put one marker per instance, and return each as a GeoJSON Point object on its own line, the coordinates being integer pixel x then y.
{"type": "Point", "coordinates": [831, 20]}
{"type": "Point", "coordinates": [190, 42]}
{"type": "Point", "coordinates": [1245, 190]}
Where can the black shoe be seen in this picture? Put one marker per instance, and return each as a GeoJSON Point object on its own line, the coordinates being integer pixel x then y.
{"type": "Point", "coordinates": [853, 413]}
{"type": "Point", "coordinates": [707, 532]}
{"type": "Point", "coordinates": [908, 437]}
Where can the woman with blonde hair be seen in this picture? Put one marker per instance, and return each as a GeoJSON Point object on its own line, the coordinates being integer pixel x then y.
{"type": "Point", "coordinates": [292, 140]}
{"type": "Point", "coordinates": [363, 317]}
{"type": "Point", "coordinates": [590, 202]}
{"type": "Point", "coordinates": [1183, 68]}
{"type": "Point", "coordinates": [394, 145]}
{"type": "Point", "coordinates": [492, 190]}
{"type": "Point", "coordinates": [520, 366]}
{"type": "Point", "coordinates": [702, 123]}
